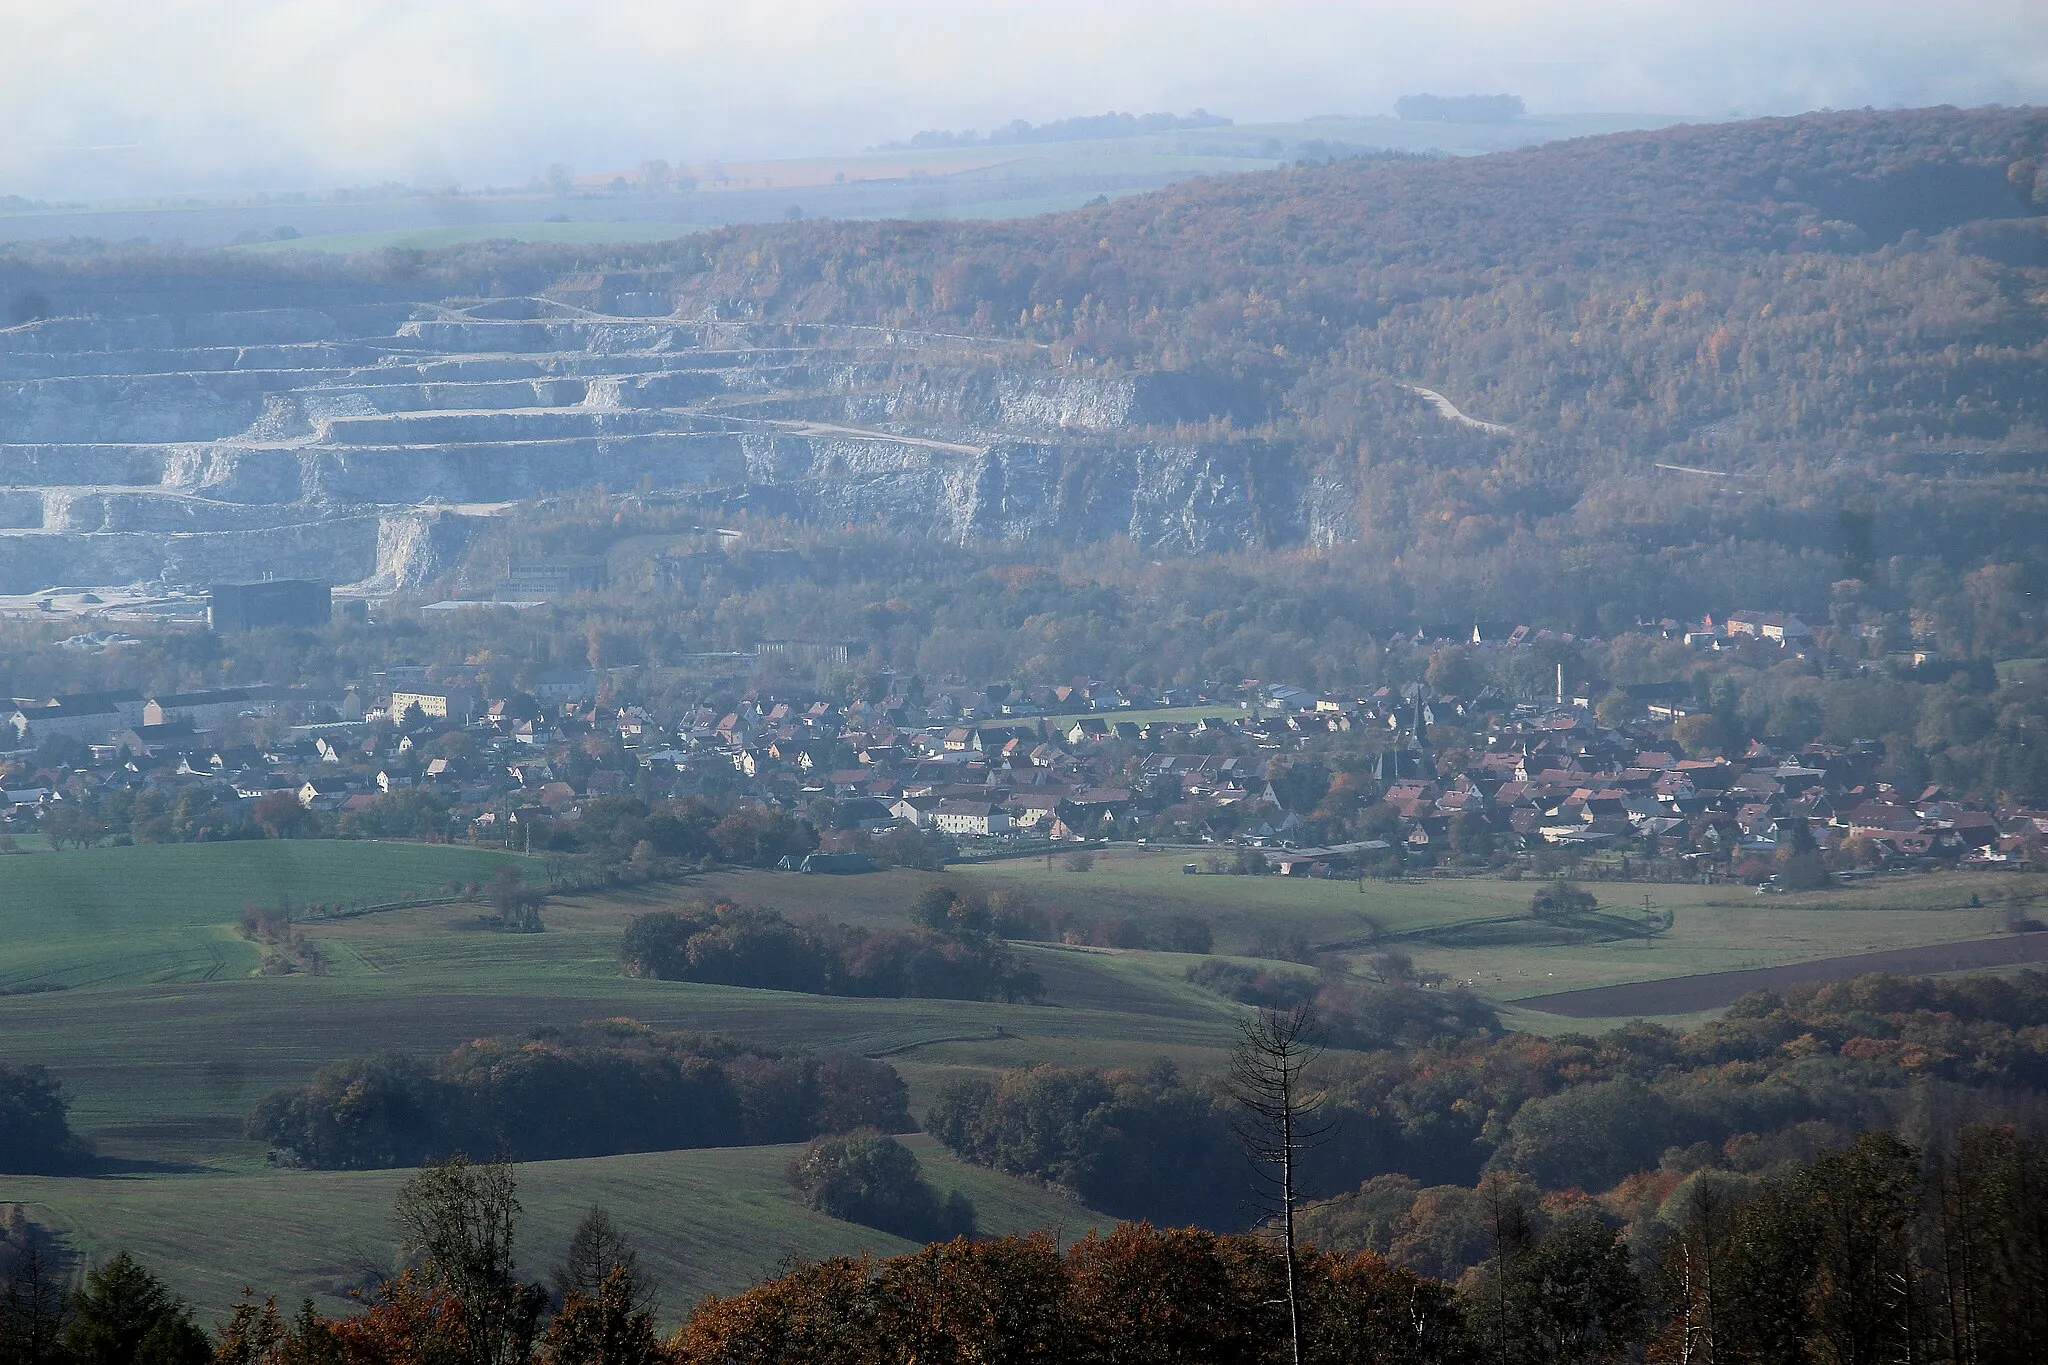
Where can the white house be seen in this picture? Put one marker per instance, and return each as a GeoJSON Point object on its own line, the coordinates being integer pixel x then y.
{"type": "Point", "coordinates": [914, 810]}
{"type": "Point", "coordinates": [577, 685]}
{"type": "Point", "coordinates": [440, 703]}
{"type": "Point", "coordinates": [84, 721]}
{"type": "Point", "coordinates": [205, 710]}
{"type": "Point", "coordinates": [970, 817]}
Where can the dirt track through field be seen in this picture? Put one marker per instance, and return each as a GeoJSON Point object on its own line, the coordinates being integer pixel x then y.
{"type": "Point", "coordinates": [1712, 990]}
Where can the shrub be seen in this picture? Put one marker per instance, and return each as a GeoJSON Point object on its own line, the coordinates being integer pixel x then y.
{"type": "Point", "coordinates": [1805, 872]}
{"type": "Point", "coordinates": [1190, 934]}
{"type": "Point", "coordinates": [1140, 1146]}
{"type": "Point", "coordinates": [360, 1113]}
{"type": "Point", "coordinates": [35, 1128]}
{"type": "Point", "coordinates": [1591, 1135]}
{"type": "Point", "coordinates": [1354, 1014]}
{"type": "Point", "coordinates": [906, 846]}
{"type": "Point", "coordinates": [874, 1180]}
{"type": "Point", "coordinates": [1558, 901]}
{"type": "Point", "coordinates": [1251, 986]}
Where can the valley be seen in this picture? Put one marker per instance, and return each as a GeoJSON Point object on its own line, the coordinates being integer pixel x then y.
{"type": "Point", "coordinates": [165, 1049]}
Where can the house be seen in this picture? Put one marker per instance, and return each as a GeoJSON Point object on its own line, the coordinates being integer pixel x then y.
{"type": "Point", "coordinates": [1086, 729]}
{"type": "Point", "coordinates": [1284, 697]}
{"type": "Point", "coordinates": [509, 711]}
{"type": "Point", "coordinates": [324, 792]}
{"type": "Point", "coordinates": [1098, 806]}
{"type": "Point", "coordinates": [914, 810]}
{"type": "Point", "coordinates": [1777, 627]}
{"type": "Point", "coordinates": [84, 716]}
{"type": "Point", "coordinates": [975, 818]}
{"type": "Point", "coordinates": [205, 710]}
{"type": "Point", "coordinates": [151, 740]}
{"type": "Point", "coordinates": [1031, 810]}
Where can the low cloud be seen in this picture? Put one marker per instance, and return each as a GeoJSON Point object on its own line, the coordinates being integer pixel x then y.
{"type": "Point", "coordinates": [103, 98]}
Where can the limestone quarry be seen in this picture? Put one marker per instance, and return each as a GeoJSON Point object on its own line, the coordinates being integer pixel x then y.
{"type": "Point", "coordinates": [363, 442]}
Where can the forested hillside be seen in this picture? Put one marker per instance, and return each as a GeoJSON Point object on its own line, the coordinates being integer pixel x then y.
{"type": "Point", "coordinates": [1683, 370]}
{"type": "Point", "coordinates": [1827, 310]}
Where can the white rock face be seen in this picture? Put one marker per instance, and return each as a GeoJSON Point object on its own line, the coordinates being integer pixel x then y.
{"type": "Point", "coordinates": [329, 443]}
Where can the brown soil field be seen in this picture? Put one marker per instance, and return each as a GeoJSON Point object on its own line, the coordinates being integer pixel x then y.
{"type": "Point", "coordinates": [1712, 990]}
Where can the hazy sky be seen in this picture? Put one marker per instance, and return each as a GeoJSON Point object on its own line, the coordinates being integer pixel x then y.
{"type": "Point", "coordinates": [104, 97]}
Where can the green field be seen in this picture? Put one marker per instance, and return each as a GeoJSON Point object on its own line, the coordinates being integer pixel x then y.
{"type": "Point", "coordinates": [2021, 670]}
{"type": "Point", "coordinates": [165, 1037]}
{"type": "Point", "coordinates": [713, 1220]}
{"type": "Point", "coordinates": [169, 912]}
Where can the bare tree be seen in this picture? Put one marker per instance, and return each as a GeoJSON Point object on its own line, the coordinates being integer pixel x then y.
{"type": "Point", "coordinates": [1688, 1262]}
{"type": "Point", "coordinates": [1513, 1234]}
{"type": "Point", "coordinates": [1278, 1119]}
{"type": "Point", "coordinates": [599, 1247]}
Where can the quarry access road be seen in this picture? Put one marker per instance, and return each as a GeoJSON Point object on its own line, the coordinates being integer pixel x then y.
{"type": "Point", "coordinates": [829, 429]}
{"type": "Point", "coordinates": [1451, 412]}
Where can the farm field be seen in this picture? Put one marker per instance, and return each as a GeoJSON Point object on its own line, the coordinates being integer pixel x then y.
{"type": "Point", "coordinates": [1710, 990]}
{"type": "Point", "coordinates": [168, 912]}
{"type": "Point", "coordinates": [1715, 928]}
{"type": "Point", "coordinates": [165, 1048]}
{"type": "Point", "coordinates": [706, 1221]}
{"type": "Point", "coordinates": [165, 1037]}
{"type": "Point", "coordinates": [168, 1073]}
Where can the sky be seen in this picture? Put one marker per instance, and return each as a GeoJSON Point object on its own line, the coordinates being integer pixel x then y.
{"type": "Point", "coordinates": [111, 98]}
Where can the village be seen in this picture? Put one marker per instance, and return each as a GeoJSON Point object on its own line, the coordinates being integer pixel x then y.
{"type": "Point", "coordinates": [1250, 777]}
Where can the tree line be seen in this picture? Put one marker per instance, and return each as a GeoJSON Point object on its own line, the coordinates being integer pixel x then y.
{"type": "Point", "coordinates": [1876, 1251]}
{"type": "Point", "coordinates": [736, 945]}
{"type": "Point", "coordinates": [1626, 1117]}
{"type": "Point", "coordinates": [592, 1090]}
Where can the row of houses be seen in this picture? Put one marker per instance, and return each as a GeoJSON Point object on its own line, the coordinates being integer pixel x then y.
{"type": "Point", "coordinates": [975, 764]}
{"type": "Point", "coordinates": [91, 716]}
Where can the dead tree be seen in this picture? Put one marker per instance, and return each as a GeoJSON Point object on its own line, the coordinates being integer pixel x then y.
{"type": "Point", "coordinates": [1278, 1121]}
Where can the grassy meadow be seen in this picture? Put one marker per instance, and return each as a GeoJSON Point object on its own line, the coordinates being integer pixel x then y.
{"type": "Point", "coordinates": [123, 970]}
{"type": "Point", "coordinates": [706, 1221]}
{"type": "Point", "coordinates": [169, 912]}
